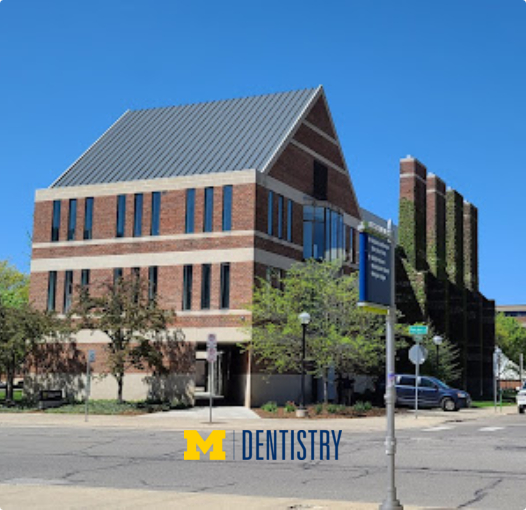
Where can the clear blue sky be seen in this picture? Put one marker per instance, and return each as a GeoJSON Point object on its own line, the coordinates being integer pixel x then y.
{"type": "Point", "coordinates": [443, 81]}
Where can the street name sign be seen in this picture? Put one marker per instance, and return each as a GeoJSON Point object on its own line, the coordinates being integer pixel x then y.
{"type": "Point", "coordinates": [418, 330]}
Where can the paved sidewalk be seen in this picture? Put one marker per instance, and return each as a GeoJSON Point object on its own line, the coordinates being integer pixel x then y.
{"type": "Point", "coordinates": [203, 414]}
{"type": "Point", "coordinates": [175, 421]}
{"type": "Point", "coordinates": [29, 497]}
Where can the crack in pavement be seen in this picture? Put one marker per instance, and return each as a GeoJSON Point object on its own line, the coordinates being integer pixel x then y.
{"type": "Point", "coordinates": [481, 493]}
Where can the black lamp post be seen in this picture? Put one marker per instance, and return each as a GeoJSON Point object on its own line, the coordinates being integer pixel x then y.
{"type": "Point", "coordinates": [437, 340]}
{"type": "Point", "coordinates": [304, 320]}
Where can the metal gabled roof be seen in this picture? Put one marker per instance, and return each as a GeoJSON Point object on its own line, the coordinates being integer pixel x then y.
{"type": "Point", "coordinates": [202, 138]}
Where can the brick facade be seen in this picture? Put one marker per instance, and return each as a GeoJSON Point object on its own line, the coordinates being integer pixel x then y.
{"type": "Point", "coordinates": [437, 271]}
{"type": "Point", "coordinates": [248, 247]}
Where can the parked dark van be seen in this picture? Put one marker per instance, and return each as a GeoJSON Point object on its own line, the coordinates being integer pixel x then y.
{"type": "Point", "coordinates": [432, 392]}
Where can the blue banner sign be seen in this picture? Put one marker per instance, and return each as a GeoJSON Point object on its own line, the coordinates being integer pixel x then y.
{"type": "Point", "coordinates": [375, 270]}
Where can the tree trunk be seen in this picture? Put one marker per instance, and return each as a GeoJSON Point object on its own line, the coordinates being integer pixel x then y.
{"type": "Point", "coordinates": [325, 387]}
{"type": "Point", "coordinates": [10, 383]}
{"type": "Point", "coordinates": [120, 383]}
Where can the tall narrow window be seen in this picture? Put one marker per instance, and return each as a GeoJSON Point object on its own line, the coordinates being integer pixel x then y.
{"type": "Point", "coordinates": [227, 208]}
{"type": "Point", "coordinates": [152, 283]}
{"type": "Point", "coordinates": [55, 225]}
{"type": "Point", "coordinates": [156, 213]}
{"type": "Point", "coordinates": [121, 215]}
{"type": "Point", "coordinates": [136, 279]}
{"type": "Point", "coordinates": [225, 286]}
{"type": "Point", "coordinates": [319, 181]}
{"type": "Point", "coordinates": [68, 290]}
{"type": "Point", "coordinates": [88, 218]}
{"type": "Point", "coordinates": [289, 220]}
{"type": "Point", "coordinates": [85, 278]}
{"type": "Point", "coordinates": [205, 286]}
{"type": "Point", "coordinates": [187, 287]}
{"type": "Point", "coordinates": [208, 220]}
{"type": "Point", "coordinates": [136, 273]}
{"type": "Point", "coordinates": [72, 219]}
{"type": "Point", "coordinates": [190, 208]}
{"type": "Point", "coordinates": [117, 275]}
{"type": "Point", "coordinates": [52, 291]}
{"type": "Point", "coordinates": [270, 213]}
{"type": "Point", "coordinates": [280, 216]}
{"type": "Point", "coordinates": [137, 215]}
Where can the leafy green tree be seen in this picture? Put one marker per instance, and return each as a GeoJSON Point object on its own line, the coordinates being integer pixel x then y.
{"type": "Point", "coordinates": [128, 313]}
{"type": "Point", "coordinates": [510, 336]}
{"type": "Point", "coordinates": [340, 334]}
{"type": "Point", "coordinates": [448, 368]}
{"type": "Point", "coordinates": [21, 326]}
{"type": "Point", "coordinates": [14, 285]}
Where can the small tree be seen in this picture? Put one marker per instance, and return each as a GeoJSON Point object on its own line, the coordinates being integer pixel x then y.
{"type": "Point", "coordinates": [447, 366]}
{"type": "Point", "coordinates": [340, 334]}
{"type": "Point", "coordinates": [128, 313]}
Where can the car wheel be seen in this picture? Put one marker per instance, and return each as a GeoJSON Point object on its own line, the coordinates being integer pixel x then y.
{"type": "Point", "coordinates": [521, 409]}
{"type": "Point", "coordinates": [448, 404]}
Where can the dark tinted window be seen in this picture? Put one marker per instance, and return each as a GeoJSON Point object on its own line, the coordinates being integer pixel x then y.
{"type": "Point", "coordinates": [320, 181]}
{"type": "Point", "coordinates": [190, 208]}
{"type": "Point", "coordinates": [209, 210]}
{"type": "Point", "coordinates": [280, 216]}
{"type": "Point", "coordinates": [137, 215]}
{"type": "Point", "coordinates": [52, 291]}
{"type": "Point", "coordinates": [205, 286]}
{"type": "Point", "coordinates": [187, 288]}
{"type": "Point", "coordinates": [85, 277]}
{"type": "Point", "coordinates": [156, 213]}
{"type": "Point", "coordinates": [270, 213]}
{"type": "Point", "coordinates": [152, 282]}
{"type": "Point", "coordinates": [289, 220]}
{"type": "Point", "coordinates": [227, 208]}
{"type": "Point", "coordinates": [55, 225]}
{"type": "Point", "coordinates": [426, 383]}
{"type": "Point", "coordinates": [117, 275]}
{"type": "Point", "coordinates": [68, 290]}
{"type": "Point", "coordinates": [406, 381]}
{"type": "Point", "coordinates": [88, 218]}
{"type": "Point", "coordinates": [72, 219]}
{"type": "Point", "coordinates": [121, 215]}
{"type": "Point", "coordinates": [225, 286]}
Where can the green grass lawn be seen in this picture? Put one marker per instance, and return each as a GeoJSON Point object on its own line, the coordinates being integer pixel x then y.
{"type": "Point", "coordinates": [480, 404]}
{"type": "Point", "coordinates": [17, 395]}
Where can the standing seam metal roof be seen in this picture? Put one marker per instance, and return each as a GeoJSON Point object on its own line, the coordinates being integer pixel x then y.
{"type": "Point", "coordinates": [202, 138]}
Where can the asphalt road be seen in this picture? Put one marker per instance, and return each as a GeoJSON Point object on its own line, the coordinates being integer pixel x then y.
{"type": "Point", "coordinates": [478, 464]}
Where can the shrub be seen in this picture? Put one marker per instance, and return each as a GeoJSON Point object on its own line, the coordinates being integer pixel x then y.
{"type": "Point", "coordinates": [335, 409]}
{"type": "Point", "coordinates": [290, 407]}
{"type": "Point", "coordinates": [362, 407]}
{"type": "Point", "coordinates": [270, 407]}
{"type": "Point", "coordinates": [318, 409]}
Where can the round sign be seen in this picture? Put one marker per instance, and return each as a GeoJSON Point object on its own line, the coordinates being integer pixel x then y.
{"type": "Point", "coordinates": [417, 354]}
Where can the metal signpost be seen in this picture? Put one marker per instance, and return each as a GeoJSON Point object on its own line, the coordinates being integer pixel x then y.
{"type": "Point", "coordinates": [91, 359]}
{"type": "Point", "coordinates": [211, 356]}
{"type": "Point", "coordinates": [377, 295]}
{"type": "Point", "coordinates": [417, 355]}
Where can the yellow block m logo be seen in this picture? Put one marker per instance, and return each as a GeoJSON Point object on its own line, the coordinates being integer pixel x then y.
{"type": "Point", "coordinates": [214, 441]}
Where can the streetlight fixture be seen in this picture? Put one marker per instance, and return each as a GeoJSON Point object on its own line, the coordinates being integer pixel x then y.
{"type": "Point", "coordinates": [304, 319]}
{"type": "Point", "coordinates": [437, 340]}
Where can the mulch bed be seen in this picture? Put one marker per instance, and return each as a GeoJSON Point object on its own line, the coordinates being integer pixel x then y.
{"type": "Point", "coordinates": [324, 414]}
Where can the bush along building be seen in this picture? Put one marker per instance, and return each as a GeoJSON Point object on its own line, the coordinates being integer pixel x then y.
{"type": "Point", "coordinates": [202, 200]}
{"type": "Point", "coordinates": [437, 273]}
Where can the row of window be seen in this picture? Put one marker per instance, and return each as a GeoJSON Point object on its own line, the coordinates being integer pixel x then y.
{"type": "Point", "coordinates": [154, 227]}
{"type": "Point", "coordinates": [153, 272]}
{"type": "Point", "coordinates": [284, 230]}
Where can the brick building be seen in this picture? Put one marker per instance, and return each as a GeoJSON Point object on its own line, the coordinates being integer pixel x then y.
{"type": "Point", "coordinates": [438, 274]}
{"type": "Point", "coordinates": [200, 199]}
